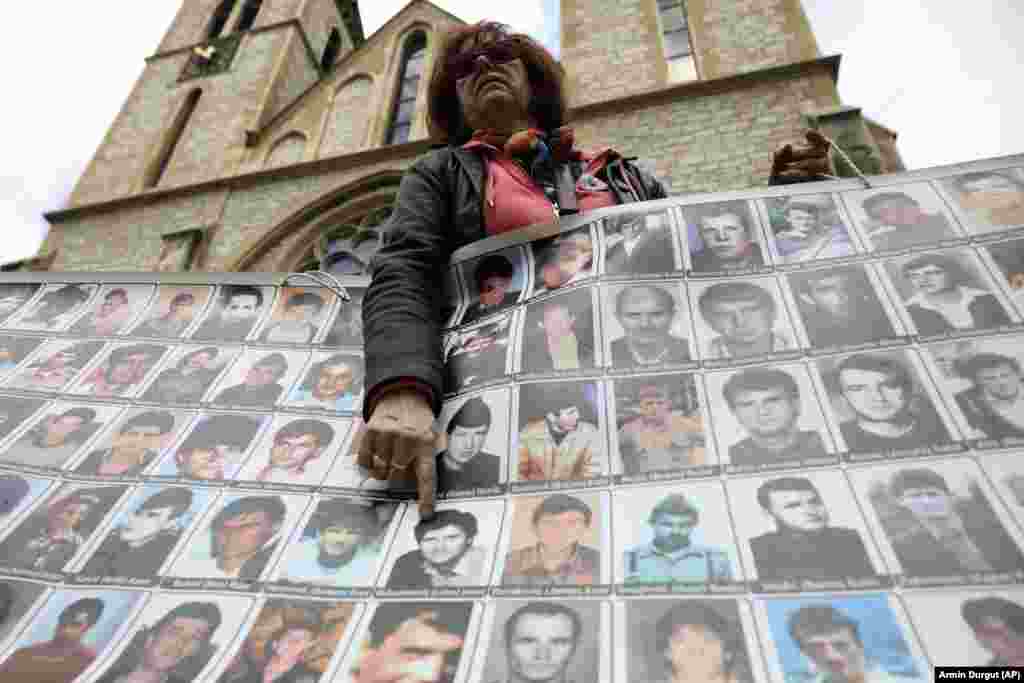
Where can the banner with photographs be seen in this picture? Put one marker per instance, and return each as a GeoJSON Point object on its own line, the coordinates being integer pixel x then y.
{"type": "Point", "coordinates": [767, 436]}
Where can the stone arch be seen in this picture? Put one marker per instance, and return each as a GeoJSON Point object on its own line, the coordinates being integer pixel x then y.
{"type": "Point", "coordinates": [290, 148]}
{"type": "Point", "coordinates": [347, 118]}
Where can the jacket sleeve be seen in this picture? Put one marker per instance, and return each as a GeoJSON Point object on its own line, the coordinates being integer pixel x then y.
{"type": "Point", "coordinates": [401, 309]}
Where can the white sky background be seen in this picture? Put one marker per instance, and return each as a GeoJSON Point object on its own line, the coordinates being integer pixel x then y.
{"type": "Point", "coordinates": [944, 74]}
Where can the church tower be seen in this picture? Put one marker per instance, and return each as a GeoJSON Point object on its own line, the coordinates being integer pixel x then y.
{"type": "Point", "coordinates": [223, 69]}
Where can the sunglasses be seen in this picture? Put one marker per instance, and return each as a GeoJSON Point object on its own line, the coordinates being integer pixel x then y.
{"type": "Point", "coordinates": [499, 52]}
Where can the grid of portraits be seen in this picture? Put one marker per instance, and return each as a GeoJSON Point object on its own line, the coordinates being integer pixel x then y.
{"type": "Point", "coordinates": [776, 437]}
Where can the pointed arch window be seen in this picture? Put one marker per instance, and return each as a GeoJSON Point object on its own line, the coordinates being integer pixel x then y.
{"type": "Point", "coordinates": [219, 18]}
{"type": "Point", "coordinates": [250, 10]}
{"type": "Point", "coordinates": [675, 40]}
{"type": "Point", "coordinates": [414, 56]}
{"type": "Point", "coordinates": [331, 50]}
{"type": "Point", "coordinates": [171, 139]}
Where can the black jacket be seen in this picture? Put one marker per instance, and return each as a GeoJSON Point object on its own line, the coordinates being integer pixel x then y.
{"type": "Point", "coordinates": [439, 208]}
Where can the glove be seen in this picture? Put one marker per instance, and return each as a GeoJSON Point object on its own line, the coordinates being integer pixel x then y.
{"type": "Point", "coordinates": [398, 445]}
{"type": "Point", "coordinates": [803, 163]}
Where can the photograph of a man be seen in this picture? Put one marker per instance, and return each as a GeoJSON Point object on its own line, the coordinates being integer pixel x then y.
{"type": "Point", "coordinates": [13, 350]}
{"type": "Point", "coordinates": [886, 410]}
{"type": "Point", "coordinates": [563, 260]}
{"type": "Point", "coordinates": [944, 296]}
{"type": "Point", "coordinates": [260, 385]}
{"type": "Point", "coordinates": [833, 643]}
{"type": "Point", "coordinates": [294, 453]}
{"type": "Point", "coordinates": [804, 545]}
{"type": "Point", "coordinates": [56, 308]}
{"type": "Point", "coordinates": [993, 199]}
{"type": "Point", "coordinates": [54, 438]}
{"type": "Point", "coordinates": [55, 366]}
{"type": "Point", "coordinates": [660, 426]}
{"type": "Point", "coordinates": [671, 555]}
{"type": "Point", "coordinates": [639, 244]}
{"type": "Point", "coordinates": [347, 328]}
{"type": "Point", "coordinates": [464, 465]}
{"type": "Point", "coordinates": [189, 378]}
{"type": "Point", "coordinates": [340, 545]}
{"type": "Point", "coordinates": [839, 306]}
{"type": "Point", "coordinates": [545, 642]}
{"type": "Point", "coordinates": [491, 284]}
{"type": "Point", "coordinates": [557, 555]}
{"type": "Point", "coordinates": [13, 295]}
{"type": "Point", "coordinates": [998, 626]}
{"type": "Point", "coordinates": [240, 541]}
{"type": "Point", "coordinates": [745, 320]}
{"type": "Point", "coordinates": [559, 333]}
{"type": "Point", "coordinates": [994, 403]}
{"type": "Point", "coordinates": [144, 537]}
{"type": "Point", "coordinates": [807, 228]}
{"type": "Point", "coordinates": [297, 320]}
{"type": "Point", "coordinates": [647, 314]}
{"type": "Point", "coordinates": [558, 436]}
{"type": "Point", "coordinates": [237, 310]}
{"type": "Point", "coordinates": [478, 354]}
{"type": "Point", "coordinates": [134, 445]}
{"type": "Point", "coordinates": [687, 641]}
{"type": "Point", "coordinates": [766, 402]}
{"type": "Point", "coordinates": [334, 383]}
{"type": "Point", "coordinates": [49, 537]}
{"type": "Point", "coordinates": [175, 311]}
{"type": "Point", "coordinates": [62, 658]}
{"type": "Point", "coordinates": [896, 220]}
{"type": "Point", "coordinates": [448, 554]}
{"type": "Point", "coordinates": [173, 650]}
{"type": "Point", "coordinates": [722, 238]}
{"type": "Point", "coordinates": [413, 642]}
{"type": "Point", "coordinates": [215, 448]}
{"type": "Point", "coordinates": [936, 532]}
{"type": "Point", "coordinates": [123, 370]}
{"type": "Point", "coordinates": [116, 308]}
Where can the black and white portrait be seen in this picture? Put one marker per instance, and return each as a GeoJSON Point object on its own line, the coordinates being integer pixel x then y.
{"type": "Point", "coordinates": [741, 318]}
{"type": "Point", "coordinates": [841, 306]}
{"type": "Point", "coordinates": [639, 244]}
{"type": "Point", "coordinates": [113, 309]}
{"type": "Point", "coordinates": [477, 445]}
{"type": "Point", "coordinates": [808, 227]}
{"type": "Point", "coordinates": [723, 237]}
{"type": "Point", "coordinates": [559, 333]}
{"type": "Point", "coordinates": [901, 217]}
{"type": "Point", "coordinates": [260, 378]}
{"type": "Point", "coordinates": [234, 313]}
{"type": "Point", "coordinates": [494, 282]}
{"type": "Point", "coordinates": [297, 316]}
{"type": "Point", "coordinates": [478, 354]}
{"type": "Point", "coordinates": [647, 325]}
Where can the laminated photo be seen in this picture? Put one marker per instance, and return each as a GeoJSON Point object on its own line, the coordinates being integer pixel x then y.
{"type": "Point", "coordinates": [563, 260]}
{"type": "Point", "coordinates": [679, 534]}
{"type": "Point", "coordinates": [1008, 260]}
{"type": "Point", "coordinates": [901, 217]}
{"type": "Point", "coordinates": [807, 227]}
{"type": "Point", "coordinates": [494, 282]}
{"type": "Point", "coordinates": [69, 635]}
{"type": "Point", "coordinates": [940, 522]}
{"type": "Point", "coordinates": [188, 374]}
{"type": "Point", "coordinates": [259, 378]}
{"type": "Point", "coordinates": [57, 434]}
{"type": "Point", "coordinates": [121, 370]}
{"type": "Point", "coordinates": [452, 549]}
{"type": "Point", "coordinates": [13, 350]}
{"type": "Point", "coordinates": [55, 308]}
{"type": "Point", "coordinates": [659, 425]}
{"type": "Point", "coordinates": [477, 444]}
{"type": "Point", "coordinates": [14, 295]}
{"type": "Point", "coordinates": [803, 532]}
{"type": "Point", "coordinates": [215, 448]}
{"type": "Point", "coordinates": [54, 365]}
{"type": "Point", "coordinates": [172, 311]}
{"type": "Point", "coordinates": [295, 450]}
{"type": "Point", "coordinates": [741, 320]}
{"type": "Point", "coordinates": [989, 200]}
{"type": "Point", "coordinates": [234, 313]}
{"type": "Point", "coordinates": [177, 638]}
{"type": "Point", "coordinates": [1006, 472]}
{"type": "Point", "coordinates": [297, 316]}
{"type": "Point", "coordinates": [135, 442]}
{"type": "Point", "coordinates": [113, 309]}
{"type": "Point", "coordinates": [840, 638]}
{"type": "Point", "coordinates": [560, 334]}
{"type": "Point", "coordinates": [332, 382]}
{"type": "Point", "coordinates": [17, 602]}
{"type": "Point", "coordinates": [723, 238]}
{"type": "Point", "coordinates": [18, 493]}
{"type": "Point", "coordinates": [144, 534]}
{"type": "Point", "coordinates": [767, 418]}
{"type": "Point", "coordinates": [341, 545]}
{"type": "Point", "coordinates": [647, 326]}
{"type": "Point", "coordinates": [347, 327]}
{"type": "Point", "coordinates": [14, 411]}
{"type": "Point", "coordinates": [639, 243]}
{"type": "Point", "coordinates": [478, 354]}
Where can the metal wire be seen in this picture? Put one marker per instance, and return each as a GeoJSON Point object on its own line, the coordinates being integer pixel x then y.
{"type": "Point", "coordinates": [323, 279]}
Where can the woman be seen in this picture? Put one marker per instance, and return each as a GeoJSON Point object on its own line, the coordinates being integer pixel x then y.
{"type": "Point", "coordinates": [944, 301]}
{"type": "Point", "coordinates": [499, 100]}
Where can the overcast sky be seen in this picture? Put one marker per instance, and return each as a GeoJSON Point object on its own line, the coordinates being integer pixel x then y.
{"type": "Point", "coordinates": [944, 74]}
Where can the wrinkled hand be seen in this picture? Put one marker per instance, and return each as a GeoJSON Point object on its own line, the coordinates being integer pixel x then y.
{"type": "Point", "coordinates": [393, 660]}
{"type": "Point", "coordinates": [398, 445]}
{"type": "Point", "coordinates": [803, 163]}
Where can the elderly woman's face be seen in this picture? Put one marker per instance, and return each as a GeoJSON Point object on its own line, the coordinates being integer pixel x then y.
{"type": "Point", "coordinates": [495, 95]}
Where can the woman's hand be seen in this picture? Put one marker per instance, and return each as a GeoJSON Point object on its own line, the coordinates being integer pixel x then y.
{"type": "Point", "coordinates": [803, 163]}
{"type": "Point", "coordinates": [399, 442]}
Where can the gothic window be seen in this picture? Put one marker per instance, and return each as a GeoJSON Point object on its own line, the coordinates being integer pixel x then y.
{"type": "Point", "coordinates": [347, 246]}
{"type": "Point", "coordinates": [331, 50]}
{"type": "Point", "coordinates": [675, 38]}
{"type": "Point", "coordinates": [414, 57]}
{"type": "Point", "coordinates": [170, 140]}
{"type": "Point", "coordinates": [288, 150]}
{"type": "Point", "coordinates": [249, 12]}
{"type": "Point", "coordinates": [346, 124]}
{"type": "Point", "coordinates": [219, 18]}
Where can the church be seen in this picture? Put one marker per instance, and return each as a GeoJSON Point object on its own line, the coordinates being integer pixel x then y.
{"type": "Point", "coordinates": [271, 135]}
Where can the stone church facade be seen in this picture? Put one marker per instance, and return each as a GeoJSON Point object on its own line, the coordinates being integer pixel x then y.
{"type": "Point", "coordinates": [270, 135]}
